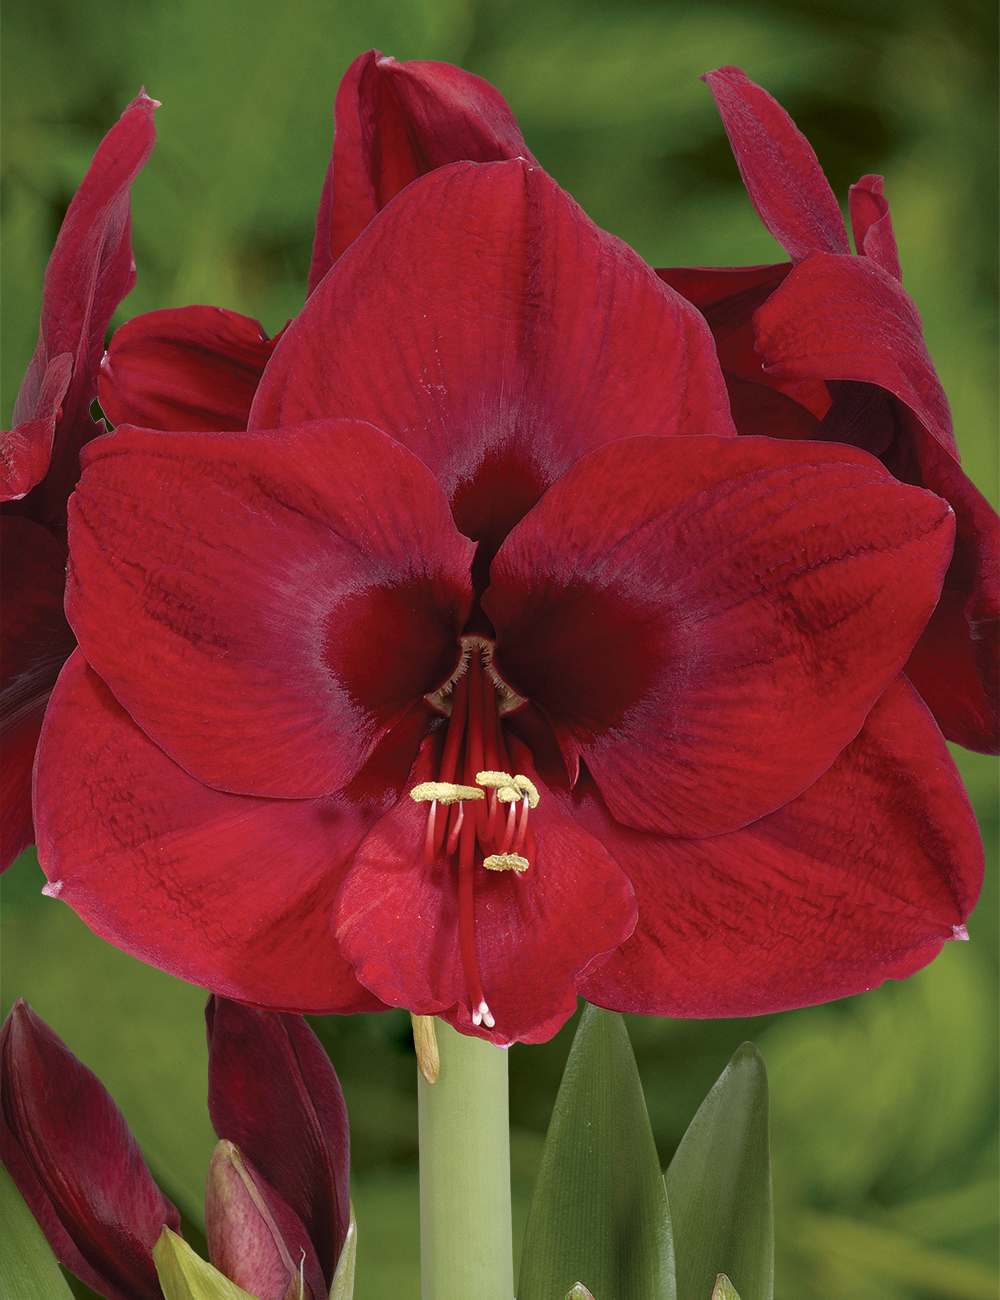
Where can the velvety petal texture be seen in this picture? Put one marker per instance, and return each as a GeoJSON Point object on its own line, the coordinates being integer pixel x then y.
{"type": "Point", "coordinates": [397, 920]}
{"type": "Point", "coordinates": [860, 879]}
{"type": "Point", "coordinates": [227, 892]}
{"type": "Point", "coordinates": [519, 336]}
{"type": "Point", "coordinates": [310, 578]}
{"type": "Point", "coordinates": [90, 272]}
{"type": "Point", "coordinates": [393, 123]}
{"type": "Point", "coordinates": [273, 1091]}
{"type": "Point", "coordinates": [779, 167]}
{"type": "Point", "coordinates": [184, 368]}
{"type": "Point", "coordinates": [712, 639]}
{"type": "Point", "coordinates": [67, 1146]}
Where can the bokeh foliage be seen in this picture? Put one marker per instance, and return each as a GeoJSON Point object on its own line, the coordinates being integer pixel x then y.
{"type": "Point", "coordinates": [883, 1106]}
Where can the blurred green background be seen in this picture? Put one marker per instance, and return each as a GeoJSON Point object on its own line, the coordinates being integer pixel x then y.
{"type": "Point", "coordinates": [883, 1106]}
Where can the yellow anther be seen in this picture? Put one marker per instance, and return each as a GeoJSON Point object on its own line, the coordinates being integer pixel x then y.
{"type": "Point", "coordinates": [494, 780]}
{"type": "Point", "coordinates": [528, 789]}
{"type": "Point", "coordinates": [444, 792]}
{"type": "Point", "coordinates": [506, 862]}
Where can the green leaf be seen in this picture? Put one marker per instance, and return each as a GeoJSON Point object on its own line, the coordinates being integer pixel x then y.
{"type": "Point", "coordinates": [599, 1214]}
{"type": "Point", "coordinates": [579, 1292]}
{"type": "Point", "coordinates": [342, 1286]}
{"type": "Point", "coordinates": [28, 1268]}
{"type": "Point", "coordinates": [719, 1186]}
{"type": "Point", "coordinates": [724, 1289]}
{"type": "Point", "coordinates": [186, 1276]}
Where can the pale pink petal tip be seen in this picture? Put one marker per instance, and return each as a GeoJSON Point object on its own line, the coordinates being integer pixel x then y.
{"type": "Point", "coordinates": [53, 889]}
{"type": "Point", "coordinates": [959, 932]}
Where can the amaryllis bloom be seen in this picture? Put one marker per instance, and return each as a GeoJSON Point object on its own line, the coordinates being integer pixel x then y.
{"type": "Point", "coordinates": [277, 1207]}
{"type": "Point", "coordinates": [831, 347]}
{"type": "Point", "coordinates": [489, 665]}
{"type": "Point", "coordinates": [90, 272]}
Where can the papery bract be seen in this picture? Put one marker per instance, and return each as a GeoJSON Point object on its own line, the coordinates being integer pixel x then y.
{"type": "Point", "coordinates": [90, 271]}
{"type": "Point", "coordinates": [832, 348]}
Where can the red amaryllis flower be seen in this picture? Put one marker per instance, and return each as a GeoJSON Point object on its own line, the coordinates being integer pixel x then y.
{"type": "Point", "coordinates": [490, 636]}
{"type": "Point", "coordinates": [277, 1206]}
{"type": "Point", "coordinates": [198, 367]}
{"type": "Point", "coordinates": [90, 271]}
{"type": "Point", "coordinates": [831, 347]}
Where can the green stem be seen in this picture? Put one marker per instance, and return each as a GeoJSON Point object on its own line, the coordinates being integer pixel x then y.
{"type": "Point", "coordinates": [465, 1230]}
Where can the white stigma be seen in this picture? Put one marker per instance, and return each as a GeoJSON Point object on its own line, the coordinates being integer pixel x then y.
{"type": "Point", "coordinates": [482, 1016]}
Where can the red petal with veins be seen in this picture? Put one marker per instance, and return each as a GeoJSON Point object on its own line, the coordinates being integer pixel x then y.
{"type": "Point", "coordinates": [860, 879]}
{"type": "Point", "coordinates": [67, 1146]}
{"type": "Point", "coordinates": [271, 604]}
{"type": "Point", "coordinates": [395, 122]}
{"type": "Point", "coordinates": [846, 318]}
{"type": "Point", "coordinates": [397, 920]}
{"type": "Point", "coordinates": [90, 271]}
{"type": "Point", "coordinates": [35, 641]}
{"type": "Point", "coordinates": [231, 893]}
{"type": "Point", "coordinates": [273, 1091]}
{"type": "Point", "coordinates": [517, 334]}
{"type": "Point", "coordinates": [713, 636]}
{"type": "Point", "coordinates": [779, 167]}
{"type": "Point", "coordinates": [184, 368]}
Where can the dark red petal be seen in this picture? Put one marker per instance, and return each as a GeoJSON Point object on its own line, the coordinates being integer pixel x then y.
{"type": "Point", "coordinates": [231, 893]}
{"type": "Point", "coordinates": [25, 450]}
{"type": "Point", "coordinates": [273, 1091]}
{"type": "Point", "coordinates": [35, 641]}
{"type": "Point", "coordinates": [860, 879]}
{"type": "Point", "coordinates": [956, 662]}
{"type": "Point", "coordinates": [271, 605]}
{"type": "Point", "coordinates": [706, 622]}
{"type": "Point", "coordinates": [517, 336]}
{"type": "Point", "coordinates": [535, 932]}
{"type": "Point", "coordinates": [68, 1148]}
{"type": "Point", "coordinates": [395, 122]}
{"type": "Point", "coordinates": [871, 225]}
{"type": "Point", "coordinates": [90, 271]}
{"type": "Point", "coordinates": [184, 368]}
{"type": "Point", "coordinates": [846, 318]}
{"type": "Point", "coordinates": [779, 168]}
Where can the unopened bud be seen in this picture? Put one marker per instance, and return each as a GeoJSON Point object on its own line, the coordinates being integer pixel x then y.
{"type": "Point", "coordinates": [724, 1289]}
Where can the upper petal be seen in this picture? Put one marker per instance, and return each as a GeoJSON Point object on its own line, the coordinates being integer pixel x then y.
{"type": "Point", "coordinates": [273, 1091]}
{"type": "Point", "coordinates": [536, 931]}
{"type": "Point", "coordinates": [90, 271]}
{"type": "Point", "coordinates": [871, 224]}
{"type": "Point", "coordinates": [706, 622]}
{"type": "Point", "coordinates": [779, 167]}
{"type": "Point", "coordinates": [394, 122]}
{"type": "Point", "coordinates": [860, 879]}
{"type": "Point", "coordinates": [184, 368]}
{"type": "Point", "coordinates": [228, 892]}
{"type": "Point", "coordinates": [68, 1148]}
{"type": "Point", "coordinates": [847, 318]}
{"type": "Point", "coordinates": [271, 605]}
{"type": "Point", "coordinates": [488, 324]}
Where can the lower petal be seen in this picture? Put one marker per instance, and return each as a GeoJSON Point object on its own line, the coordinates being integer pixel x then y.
{"type": "Point", "coordinates": [860, 879]}
{"type": "Point", "coordinates": [397, 920]}
{"type": "Point", "coordinates": [229, 892]}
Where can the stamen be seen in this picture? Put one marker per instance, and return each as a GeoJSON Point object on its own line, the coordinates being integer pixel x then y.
{"type": "Point", "coordinates": [455, 831]}
{"type": "Point", "coordinates": [482, 1016]}
{"type": "Point", "coordinates": [494, 780]}
{"type": "Point", "coordinates": [506, 862]}
{"type": "Point", "coordinates": [444, 792]}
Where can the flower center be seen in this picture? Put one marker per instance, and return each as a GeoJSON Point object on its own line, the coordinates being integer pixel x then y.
{"type": "Point", "coordinates": [476, 770]}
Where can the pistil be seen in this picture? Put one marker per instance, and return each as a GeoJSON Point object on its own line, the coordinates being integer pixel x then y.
{"type": "Point", "coordinates": [495, 831]}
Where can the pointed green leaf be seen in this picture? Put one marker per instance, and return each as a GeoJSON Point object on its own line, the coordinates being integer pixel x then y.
{"type": "Point", "coordinates": [719, 1186]}
{"type": "Point", "coordinates": [724, 1289]}
{"type": "Point", "coordinates": [28, 1268]}
{"type": "Point", "coordinates": [599, 1214]}
{"type": "Point", "coordinates": [342, 1286]}
{"type": "Point", "coordinates": [186, 1276]}
{"type": "Point", "coordinates": [579, 1292]}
